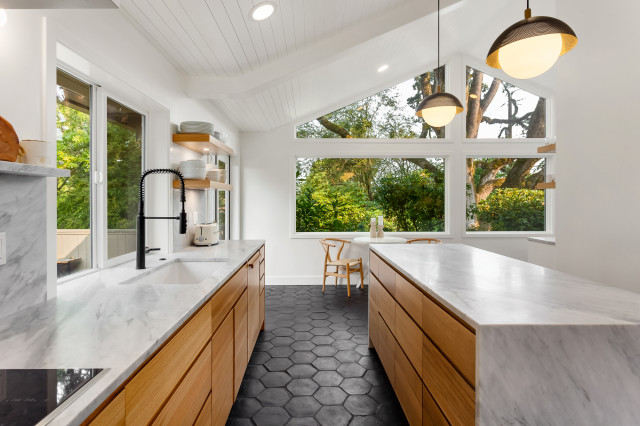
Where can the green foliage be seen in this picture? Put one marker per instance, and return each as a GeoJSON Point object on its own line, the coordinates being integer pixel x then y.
{"type": "Point", "coordinates": [511, 209]}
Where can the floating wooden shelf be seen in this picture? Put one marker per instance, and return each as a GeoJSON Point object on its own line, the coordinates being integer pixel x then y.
{"type": "Point", "coordinates": [202, 143]}
{"type": "Point", "coordinates": [202, 184]}
{"type": "Point", "coordinates": [546, 185]}
{"type": "Point", "coordinates": [547, 148]}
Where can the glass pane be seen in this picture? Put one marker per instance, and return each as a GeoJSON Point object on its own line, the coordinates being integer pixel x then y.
{"type": "Point", "coordinates": [501, 194]}
{"type": "Point", "coordinates": [74, 192]}
{"type": "Point", "coordinates": [124, 165]}
{"type": "Point", "coordinates": [343, 194]}
{"type": "Point", "coordinates": [386, 114]}
{"type": "Point", "coordinates": [222, 214]}
{"type": "Point", "coordinates": [497, 109]}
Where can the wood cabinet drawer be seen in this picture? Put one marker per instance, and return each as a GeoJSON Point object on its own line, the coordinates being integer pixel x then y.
{"type": "Point", "coordinates": [455, 340]}
{"type": "Point", "coordinates": [227, 296]}
{"type": "Point", "coordinates": [451, 392]}
{"type": "Point", "coordinates": [151, 387]}
{"type": "Point", "coordinates": [387, 277]}
{"type": "Point", "coordinates": [410, 298]}
{"type": "Point", "coordinates": [261, 270]}
{"type": "Point", "coordinates": [387, 306]}
{"type": "Point", "coordinates": [409, 337]}
{"type": "Point", "coordinates": [262, 281]}
{"type": "Point", "coordinates": [262, 310]}
{"type": "Point", "coordinates": [222, 371]}
{"type": "Point", "coordinates": [431, 414]}
{"type": "Point", "coordinates": [254, 324]}
{"type": "Point", "coordinates": [374, 261]}
{"type": "Point", "coordinates": [374, 327]}
{"type": "Point", "coordinates": [240, 341]}
{"type": "Point", "coordinates": [186, 402]}
{"type": "Point", "coordinates": [204, 418]}
{"type": "Point", "coordinates": [113, 414]}
{"type": "Point", "coordinates": [262, 250]}
{"type": "Point", "coordinates": [408, 388]}
{"type": "Point", "coordinates": [386, 349]}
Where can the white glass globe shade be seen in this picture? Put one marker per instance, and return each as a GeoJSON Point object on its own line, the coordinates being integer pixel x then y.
{"type": "Point", "coordinates": [439, 116]}
{"type": "Point", "coordinates": [530, 57]}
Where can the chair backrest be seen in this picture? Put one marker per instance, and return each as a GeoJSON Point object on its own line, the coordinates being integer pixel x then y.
{"type": "Point", "coordinates": [328, 243]}
{"type": "Point", "coordinates": [425, 240]}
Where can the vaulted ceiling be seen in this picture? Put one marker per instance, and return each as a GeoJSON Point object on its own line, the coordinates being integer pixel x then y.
{"type": "Point", "coordinates": [311, 56]}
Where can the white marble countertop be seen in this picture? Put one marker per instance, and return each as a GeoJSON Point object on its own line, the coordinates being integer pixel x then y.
{"type": "Point", "coordinates": [31, 170]}
{"type": "Point", "coordinates": [485, 288]}
{"type": "Point", "coordinates": [96, 322]}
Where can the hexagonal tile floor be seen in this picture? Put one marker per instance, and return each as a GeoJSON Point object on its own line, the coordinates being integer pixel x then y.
{"type": "Point", "coordinates": [312, 364]}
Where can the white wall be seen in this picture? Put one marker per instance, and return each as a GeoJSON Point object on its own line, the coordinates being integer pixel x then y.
{"type": "Point", "coordinates": [598, 149]}
{"type": "Point", "coordinates": [268, 173]}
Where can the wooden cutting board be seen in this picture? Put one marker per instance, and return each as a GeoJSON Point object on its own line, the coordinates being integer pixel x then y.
{"type": "Point", "coordinates": [9, 142]}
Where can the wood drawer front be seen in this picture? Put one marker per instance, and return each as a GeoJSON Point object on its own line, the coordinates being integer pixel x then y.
{"type": "Point", "coordinates": [455, 340]}
{"type": "Point", "coordinates": [227, 296]}
{"type": "Point", "coordinates": [387, 306]}
{"type": "Point", "coordinates": [410, 298]}
{"type": "Point", "coordinates": [386, 349]}
{"type": "Point", "coordinates": [204, 418]}
{"type": "Point", "coordinates": [431, 414]}
{"type": "Point", "coordinates": [409, 337]}
{"type": "Point", "coordinates": [150, 388]}
{"type": "Point", "coordinates": [408, 388]}
{"type": "Point", "coordinates": [374, 326]}
{"type": "Point", "coordinates": [261, 270]}
{"type": "Point", "coordinates": [254, 322]}
{"type": "Point", "coordinates": [240, 341]}
{"type": "Point", "coordinates": [112, 414]}
{"type": "Point", "coordinates": [374, 261]}
{"type": "Point", "coordinates": [387, 277]}
{"type": "Point", "coordinates": [262, 253]}
{"type": "Point", "coordinates": [262, 281]}
{"type": "Point", "coordinates": [450, 391]}
{"type": "Point", "coordinates": [222, 372]}
{"type": "Point", "coordinates": [186, 402]}
{"type": "Point", "coordinates": [262, 310]}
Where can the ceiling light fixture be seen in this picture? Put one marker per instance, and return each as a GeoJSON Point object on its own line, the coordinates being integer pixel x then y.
{"type": "Point", "coordinates": [439, 109]}
{"type": "Point", "coordinates": [530, 47]}
{"type": "Point", "coordinates": [262, 11]}
{"type": "Point", "coordinates": [383, 68]}
{"type": "Point", "coordinates": [3, 17]}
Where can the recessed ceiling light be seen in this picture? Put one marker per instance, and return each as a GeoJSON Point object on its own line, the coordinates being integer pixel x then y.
{"type": "Point", "coordinates": [262, 11]}
{"type": "Point", "coordinates": [3, 17]}
{"type": "Point", "coordinates": [383, 68]}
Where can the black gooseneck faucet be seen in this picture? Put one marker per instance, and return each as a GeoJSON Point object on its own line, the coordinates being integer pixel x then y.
{"type": "Point", "coordinates": [140, 220]}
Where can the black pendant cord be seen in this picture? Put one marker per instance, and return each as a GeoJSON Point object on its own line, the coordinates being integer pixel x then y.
{"type": "Point", "coordinates": [527, 4]}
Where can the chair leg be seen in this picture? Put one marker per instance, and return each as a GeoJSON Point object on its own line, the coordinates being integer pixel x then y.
{"type": "Point", "coordinates": [361, 277]}
{"type": "Point", "coordinates": [337, 270]}
{"type": "Point", "coordinates": [324, 276]}
{"type": "Point", "coordinates": [348, 282]}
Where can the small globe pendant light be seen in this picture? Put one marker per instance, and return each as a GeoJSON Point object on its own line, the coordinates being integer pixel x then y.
{"type": "Point", "coordinates": [439, 109]}
{"type": "Point", "coordinates": [530, 47]}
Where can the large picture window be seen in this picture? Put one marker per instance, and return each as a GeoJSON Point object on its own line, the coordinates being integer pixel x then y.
{"type": "Point", "coordinates": [501, 195]}
{"type": "Point", "coordinates": [342, 194]}
{"type": "Point", "coordinates": [386, 114]}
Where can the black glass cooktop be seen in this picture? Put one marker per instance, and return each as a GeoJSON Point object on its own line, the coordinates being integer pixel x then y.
{"type": "Point", "coordinates": [28, 396]}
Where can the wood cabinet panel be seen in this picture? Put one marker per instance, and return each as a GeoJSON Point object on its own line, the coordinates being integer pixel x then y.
{"type": "Point", "coordinates": [262, 251]}
{"type": "Point", "coordinates": [253, 288]}
{"type": "Point", "coordinates": [113, 414]}
{"type": "Point", "coordinates": [455, 340]}
{"type": "Point", "coordinates": [262, 282]}
{"type": "Point", "coordinates": [374, 261]}
{"type": "Point", "coordinates": [374, 327]}
{"type": "Point", "coordinates": [409, 337]}
{"type": "Point", "coordinates": [431, 414]}
{"type": "Point", "coordinates": [222, 371]}
{"type": "Point", "coordinates": [410, 298]}
{"type": "Point", "coordinates": [150, 388]}
{"type": "Point", "coordinates": [261, 269]}
{"type": "Point", "coordinates": [387, 277]}
{"type": "Point", "coordinates": [204, 418]}
{"type": "Point", "coordinates": [408, 388]}
{"type": "Point", "coordinates": [240, 341]}
{"type": "Point", "coordinates": [262, 313]}
{"type": "Point", "coordinates": [387, 306]}
{"type": "Point", "coordinates": [186, 402]}
{"type": "Point", "coordinates": [451, 392]}
{"type": "Point", "coordinates": [227, 295]}
{"type": "Point", "coordinates": [386, 349]}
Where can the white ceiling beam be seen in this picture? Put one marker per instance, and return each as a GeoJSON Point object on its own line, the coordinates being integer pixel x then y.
{"type": "Point", "coordinates": [330, 49]}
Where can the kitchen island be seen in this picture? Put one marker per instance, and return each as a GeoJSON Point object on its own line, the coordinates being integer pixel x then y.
{"type": "Point", "coordinates": [117, 319]}
{"type": "Point", "coordinates": [467, 336]}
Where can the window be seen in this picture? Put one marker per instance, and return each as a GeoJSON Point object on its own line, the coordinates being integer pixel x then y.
{"type": "Point", "coordinates": [74, 116]}
{"type": "Point", "coordinates": [386, 114]}
{"type": "Point", "coordinates": [497, 109]}
{"type": "Point", "coordinates": [501, 195]}
{"type": "Point", "coordinates": [342, 194]}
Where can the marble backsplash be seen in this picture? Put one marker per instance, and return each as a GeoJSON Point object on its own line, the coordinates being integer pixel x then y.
{"type": "Point", "coordinates": [23, 280]}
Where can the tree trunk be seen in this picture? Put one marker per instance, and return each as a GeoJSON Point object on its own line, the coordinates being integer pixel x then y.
{"type": "Point", "coordinates": [537, 122]}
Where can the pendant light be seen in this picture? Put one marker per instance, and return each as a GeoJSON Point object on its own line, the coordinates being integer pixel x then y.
{"type": "Point", "coordinates": [530, 47]}
{"type": "Point", "coordinates": [438, 110]}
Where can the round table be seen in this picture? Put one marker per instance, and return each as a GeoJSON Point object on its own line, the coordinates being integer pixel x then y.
{"type": "Point", "coordinates": [383, 240]}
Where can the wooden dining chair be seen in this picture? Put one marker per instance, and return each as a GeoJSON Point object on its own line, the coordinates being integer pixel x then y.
{"type": "Point", "coordinates": [348, 265]}
{"type": "Point", "coordinates": [425, 240]}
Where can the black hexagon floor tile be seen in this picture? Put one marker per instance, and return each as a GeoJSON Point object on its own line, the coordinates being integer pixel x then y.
{"type": "Point", "coordinates": [312, 365]}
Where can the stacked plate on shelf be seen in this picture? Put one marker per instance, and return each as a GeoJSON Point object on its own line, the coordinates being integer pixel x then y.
{"type": "Point", "coordinates": [196, 127]}
{"type": "Point", "coordinates": [193, 169]}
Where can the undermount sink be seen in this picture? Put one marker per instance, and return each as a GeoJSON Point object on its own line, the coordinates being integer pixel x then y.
{"type": "Point", "coordinates": [180, 272]}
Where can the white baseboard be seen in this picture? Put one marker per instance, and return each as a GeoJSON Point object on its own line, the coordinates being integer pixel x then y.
{"type": "Point", "coordinates": [304, 280]}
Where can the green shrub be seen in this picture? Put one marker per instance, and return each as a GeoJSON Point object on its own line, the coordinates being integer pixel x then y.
{"type": "Point", "coordinates": [512, 209]}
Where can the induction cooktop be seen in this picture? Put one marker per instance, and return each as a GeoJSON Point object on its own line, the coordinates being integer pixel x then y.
{"type": "Point", "coordinates": [30, 397]}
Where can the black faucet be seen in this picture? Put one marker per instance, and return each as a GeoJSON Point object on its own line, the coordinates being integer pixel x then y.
{"type": "Point", "coordinates": [140, 242]}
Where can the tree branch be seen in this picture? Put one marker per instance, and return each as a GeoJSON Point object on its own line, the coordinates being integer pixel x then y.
{"type": "Point", "coordinates": [332, 127]}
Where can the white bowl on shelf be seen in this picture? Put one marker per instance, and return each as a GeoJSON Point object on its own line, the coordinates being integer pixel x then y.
{"type": "Point", "coordinates": [194, 173]}
{"type": "Point", "coordinates": [196, 127]}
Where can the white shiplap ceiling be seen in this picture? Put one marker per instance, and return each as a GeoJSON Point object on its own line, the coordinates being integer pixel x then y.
{"type": "Point", "coordinates": [311, 55]}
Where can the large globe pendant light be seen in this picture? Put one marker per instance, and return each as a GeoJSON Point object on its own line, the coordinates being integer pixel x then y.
{"type": "Point", "coordinates": [439, 109]}
{"type": "Point", "coordinates": [530, 47]}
